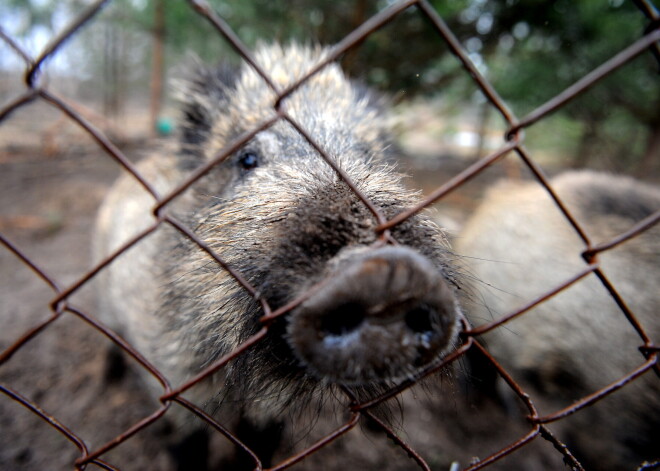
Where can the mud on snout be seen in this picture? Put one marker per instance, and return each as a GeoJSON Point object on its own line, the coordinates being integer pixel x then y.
{"type": "Point", "coordinates": [380, 314]}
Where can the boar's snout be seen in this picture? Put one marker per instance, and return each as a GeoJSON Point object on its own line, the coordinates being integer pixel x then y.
{"type": "Point", "coordinates": [381, 314]}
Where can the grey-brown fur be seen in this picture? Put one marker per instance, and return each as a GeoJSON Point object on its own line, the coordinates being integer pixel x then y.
{"type": "Point", "coordinates": [285, 225]}
{"type": "Point", "coordinates": [520, 246]}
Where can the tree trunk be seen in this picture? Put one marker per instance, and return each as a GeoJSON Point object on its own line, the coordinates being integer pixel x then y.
{"type": "Point", "coordinates": [157, 64]}
{"type": "Point", "coordinates": [359, 15]}
{"type": "Point", "coordinates": [649, 164]}
{"type": "Point", "coordinates": [584, 152]}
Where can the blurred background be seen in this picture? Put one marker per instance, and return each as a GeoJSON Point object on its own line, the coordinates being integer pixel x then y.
{"type": "Point", "coordinates": [119, 67]}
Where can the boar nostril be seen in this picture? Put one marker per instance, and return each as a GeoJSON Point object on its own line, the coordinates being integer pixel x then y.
{"type": "Point", "coordinates": [343, 319]}
{"type": "Point", "coordinates": [379, 315]}
{"type": "Point", "coordinates": [418, 319]}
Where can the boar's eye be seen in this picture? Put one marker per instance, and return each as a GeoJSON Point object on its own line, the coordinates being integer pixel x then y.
{"type": "Point", "coordinates": [248, 160]}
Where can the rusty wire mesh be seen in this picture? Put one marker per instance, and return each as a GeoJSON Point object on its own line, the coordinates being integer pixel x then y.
{"type": "Point", "coordinates": [513, 143]}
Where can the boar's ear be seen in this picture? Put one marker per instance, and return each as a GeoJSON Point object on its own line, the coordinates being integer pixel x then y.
{"type": "Point", "coordinates": [374, 99]}
{"type": "Point", "coordinates": [202, 97]}
{"type": "Point", "coordinates": [379, 102]}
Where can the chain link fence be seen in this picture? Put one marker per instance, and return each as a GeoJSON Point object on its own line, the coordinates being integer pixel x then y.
{"type": "Point", "coordinates": [61, 305]}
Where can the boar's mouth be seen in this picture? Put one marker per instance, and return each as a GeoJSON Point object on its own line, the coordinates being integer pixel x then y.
{"type": "Point", "coordinates": [380, 315]}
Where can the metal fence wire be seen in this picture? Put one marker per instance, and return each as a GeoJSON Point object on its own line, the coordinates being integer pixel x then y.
{"type": "Point", "coordinates": [36, 89]}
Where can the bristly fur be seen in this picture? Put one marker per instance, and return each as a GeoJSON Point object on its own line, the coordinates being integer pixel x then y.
{"type": "Point", "coordinates": [279, 223]}
{"type": "Point", "coordinates": [520, 245]}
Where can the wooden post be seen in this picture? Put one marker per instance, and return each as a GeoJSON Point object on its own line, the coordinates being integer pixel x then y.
{"type": "Point", "coordinates": [157, 64]}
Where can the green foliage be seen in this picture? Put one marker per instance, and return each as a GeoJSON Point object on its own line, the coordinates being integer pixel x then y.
{"type": "Point", "coordinates": [530, 50]}
{"type": "Point", "coordinates": [540, 48]}
{"type": "Point", "coordinates": [539, 53]}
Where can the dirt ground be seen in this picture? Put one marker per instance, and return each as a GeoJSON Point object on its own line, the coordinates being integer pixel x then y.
{"type": "Point", "coordinates": [47, 210]}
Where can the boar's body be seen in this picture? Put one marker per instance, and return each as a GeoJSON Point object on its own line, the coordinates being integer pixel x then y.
{"type": "Point", "coordinates": [280, 216]}
{"type": "Point", "coordinates": [520, 246]}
